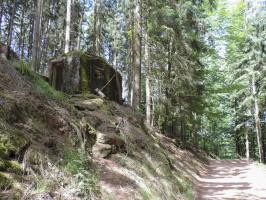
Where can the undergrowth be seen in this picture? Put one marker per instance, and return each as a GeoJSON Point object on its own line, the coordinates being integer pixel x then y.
{"type": "Point", "coordinates": [38, 82]}
{"type": "Point", "coordinates": [86, 175]}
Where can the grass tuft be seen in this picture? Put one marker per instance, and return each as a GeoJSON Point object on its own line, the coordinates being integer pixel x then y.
{"type": "Point", "coordinates": [38, 82]}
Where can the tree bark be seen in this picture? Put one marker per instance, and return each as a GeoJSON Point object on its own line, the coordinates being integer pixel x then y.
{"type": "Point", "coordinates": [148, 75]}
{"type": "Point", "coordinates": [247, 146]}
{"type": "Point", "coordinates": [79, 32]}
{"type": "Point", "coordinates": [37, 34]}
{"type": "Point", "coordinates": [11, 24]}
{"type": "Point", "coordinates": [30, 38]}
{"type": "Point", "coordinates": [137, 57]}
{"type": "Point", "coordinates": [97, 27]}
{"type": "Point", "coordinates": [22, 34]}
{"type": "Point", "coordinates": [131, 58]}
{"type": "Point", "coordinates": [68, 24]}
{"type": "Point", "coordinates": [194, 128]}
{"type": "Point", "coordinates": [257, 119]}
{"type": "Point", "coordinates": [1, 15]}
{"type": "Point", "coordinates": [115, 48]}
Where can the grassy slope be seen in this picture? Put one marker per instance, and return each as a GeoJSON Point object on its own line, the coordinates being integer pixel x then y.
{"type": "Point", "coordinates": [41, 134]}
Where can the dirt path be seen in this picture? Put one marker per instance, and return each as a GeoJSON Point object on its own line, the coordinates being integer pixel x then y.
{"type": "Point", "coordinates": [234, 180]}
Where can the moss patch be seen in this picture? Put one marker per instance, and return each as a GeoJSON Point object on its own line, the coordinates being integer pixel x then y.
{"type": "Point", "coordinates": [84, 79]}
{"type": "Point", "coordinates": [12, 143]}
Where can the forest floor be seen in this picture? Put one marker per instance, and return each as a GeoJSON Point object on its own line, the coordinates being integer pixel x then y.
{"type": "Point", "coordinates": [232, 179]}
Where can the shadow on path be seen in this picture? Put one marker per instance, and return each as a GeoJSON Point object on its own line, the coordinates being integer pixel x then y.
{"type": "Point", "coordinates": [232, 180]}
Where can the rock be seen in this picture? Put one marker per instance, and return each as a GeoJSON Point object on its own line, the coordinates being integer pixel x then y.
{"type": "Point", "coordinates": [107, 144]}
{"type": "Point", "coordinates": [101, 150]}
{"type": "Point", "coordinates": [91, 105]}
{"type": "Point", "coordinates": [111, 139]}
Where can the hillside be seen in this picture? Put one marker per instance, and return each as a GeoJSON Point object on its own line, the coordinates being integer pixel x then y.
{"type": "Point", "coordinates": [55, 146]}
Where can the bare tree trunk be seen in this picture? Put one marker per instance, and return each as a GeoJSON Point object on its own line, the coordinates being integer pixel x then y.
{"type": "Point", "coordinates": [68, 24]}
{"type": "Point", "coordinates": [247, 145]}
{"type": "Point", "coordinates": [1, 15]}
{"type": "Point", "coordinates": [97, 27]}
{"type": "Point", "coordinates": [11, 24]}
{"type": "Point", "coordinates": [30, 38]}
{"type": "Point", "coordinates": [137, 57]}
{"type": "Point", "coordinates": [37, 34]}
{"type": "Point", "coordinates": [116, 21]}
{"type": "Point", "coordinates": [152, 115]}
{"type": "Point", "coordinates": [79, 32]}
{"type": "Point", "coordinates": [257, 119]}
{"type": "Point", "coordinates": [148, 75]}
{"type": "Point", "coordinates": [22, 34]}
{"type": "Point", "coordinates": [22, 46]}
{"type": "Point", "coordinates": [194, 129]}
{"type": "Point", "coordinates": [130, 26]}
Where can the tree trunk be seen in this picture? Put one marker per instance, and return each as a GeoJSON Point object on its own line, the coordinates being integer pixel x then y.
{"type": "Point", "coordinates": [148, 75]}
{"type": "Point", "coordinates": [247, 146]}
{"type": "Point", "coordinates": [22, 34]}
{"type": "Point", "coordinates": [137, 57]}
{"type": "Point", "coordinates": [11, 24]}
{"type": "Point", "coordinates": [97, 27]}
{"type": "Point", "coordinates": [115, 48]}
{"type": "Point", "coordinates": [1, 15]}
{"type": "Point", "coordinates": [257, 119]}
{"type": "Point", "coordinates": [68, 24]}
{"type": "Point", "coordinates": [131, 59]}
{"type": "Point", "coordinates": [79, 32]}
{"type": "Point", "coordinates": [194, 129]}
{"type": "Point", "coordinates": [30, 37]}
{"type": "Point", "coordinates": [37, 34]}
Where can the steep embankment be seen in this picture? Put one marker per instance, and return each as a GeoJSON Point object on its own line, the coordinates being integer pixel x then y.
{"type": "Point", "coordinates": [81, 147]}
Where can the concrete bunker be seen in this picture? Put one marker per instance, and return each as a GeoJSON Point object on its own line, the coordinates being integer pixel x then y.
{"type": "Point", "coordinates": [79, 72]}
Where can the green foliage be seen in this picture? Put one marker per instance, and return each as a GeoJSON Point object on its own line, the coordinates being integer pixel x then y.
{"type": "Point", "coordinates": [25, 69]}
{"type": "Point", "coordinates": [87, 181]}
{"type": "Point", "coordinates": [72, 161]}
{"type": "Point", "coordinates": [86, 176]}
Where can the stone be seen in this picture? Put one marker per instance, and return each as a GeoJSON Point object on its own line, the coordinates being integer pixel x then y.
{"type": "Point", "coordinates": [91, 105]}
{"type": "Point", "coordinates": [111, 139]}
{"type": "Point", "coordinates": [101, 150]}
